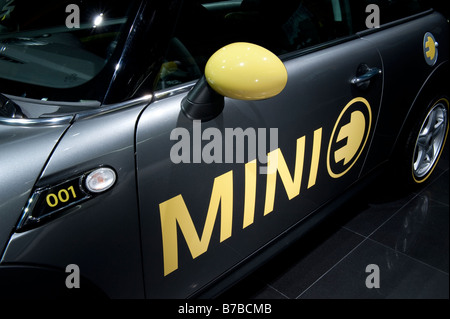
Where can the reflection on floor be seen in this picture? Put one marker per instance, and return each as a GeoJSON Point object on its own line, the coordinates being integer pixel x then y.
{"type": "Point", "coordinates": [396, 242]}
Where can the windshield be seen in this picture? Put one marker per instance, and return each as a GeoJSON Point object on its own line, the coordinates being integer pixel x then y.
{"type": "Point", "coordinates": [51, 46]}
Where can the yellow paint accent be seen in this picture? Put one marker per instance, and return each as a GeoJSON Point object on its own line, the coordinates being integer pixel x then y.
{"type": "Point", "coordinates": [353, 133]}
{"type": "Point", "coordinates": [174, 211]}
{"type": "Point", "coordinates": [63, 196]}
{"type": "Point", "coordinates": [276, 163]}
{"type": "Point", "coordinates": [246, 71]}
{"type": "Point", "coordinates": [315, 158]}
{"type": "Point", "coordinates": [250, 193]}
{"type": "Point", "coordinates": [431, 48]}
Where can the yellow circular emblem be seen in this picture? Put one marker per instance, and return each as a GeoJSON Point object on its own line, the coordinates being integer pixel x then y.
{"type": "Point", "coordinates": [349, 137]}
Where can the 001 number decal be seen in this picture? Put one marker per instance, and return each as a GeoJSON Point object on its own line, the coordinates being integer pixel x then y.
{"type": "Point", "coordinates": [63, 196]}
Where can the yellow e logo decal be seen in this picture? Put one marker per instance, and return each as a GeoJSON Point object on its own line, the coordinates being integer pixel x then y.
{"type": "Point", "coordinates": [349, 137]}
{"type": "Point", "coordinates": [430, 49]}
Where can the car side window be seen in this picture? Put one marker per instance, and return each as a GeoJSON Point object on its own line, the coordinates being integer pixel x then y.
{"type": "Point", "coordinates": [282, 26]}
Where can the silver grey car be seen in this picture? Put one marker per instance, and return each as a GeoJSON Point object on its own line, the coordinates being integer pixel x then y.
{"type": "Point", "coordinates": [165, 149]}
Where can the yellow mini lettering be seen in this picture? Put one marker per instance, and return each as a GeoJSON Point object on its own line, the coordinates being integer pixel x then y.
{"type": "Point", "coordinates": [276, 163]}
{"type": "Point", "coordinates": [250, 193]}
{"type": "Point", "coordinates": [174, 211]}
{"type": "Point", "coordinates": [315, 158]}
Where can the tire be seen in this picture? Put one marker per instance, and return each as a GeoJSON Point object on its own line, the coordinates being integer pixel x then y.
{"type": "Point", "coordinates": [425, 143]}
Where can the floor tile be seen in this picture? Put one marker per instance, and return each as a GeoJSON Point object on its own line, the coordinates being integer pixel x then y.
{"type": "Point", "coordinates": [419, 230]}
{"type": "Point", "coordinates": [294, 270]}
{"type": "Point", "coordinates": [300, 269]}
{"type": "Point", "coordinates": [254, 288]}
{"type": "Point", "coordinates": [439, 189]}
{"type": "Point", "coordinates": [375, 213]}
{"type": "Point", "coordinates": [400, 277]}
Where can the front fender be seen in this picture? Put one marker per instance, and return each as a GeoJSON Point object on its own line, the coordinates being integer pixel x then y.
{"type": "Point", "coordinates": [24, 151]}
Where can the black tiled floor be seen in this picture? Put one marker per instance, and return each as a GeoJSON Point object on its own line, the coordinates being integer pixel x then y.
{"type": "Point", "coordinates": [405, 234]}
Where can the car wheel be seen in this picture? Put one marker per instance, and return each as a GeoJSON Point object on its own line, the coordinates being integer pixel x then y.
{"type": "Point", "coordinates": [426, 142]}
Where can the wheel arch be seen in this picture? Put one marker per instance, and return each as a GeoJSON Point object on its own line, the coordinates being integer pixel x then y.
{"type": "Point", "coordinates": [432, 89]}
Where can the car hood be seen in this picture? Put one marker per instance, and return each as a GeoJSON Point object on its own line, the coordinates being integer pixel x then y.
{"type": "Point", "coordinates": [24, 151]}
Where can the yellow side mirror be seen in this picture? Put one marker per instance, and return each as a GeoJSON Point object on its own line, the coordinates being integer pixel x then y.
{"type": "Point", "coordinates": [242, 71]}
{"type": "Point", "coordinates": [246, 71]}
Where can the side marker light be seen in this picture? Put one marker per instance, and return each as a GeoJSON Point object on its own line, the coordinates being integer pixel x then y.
{"type": "Point", "coordinates": [100, 180]}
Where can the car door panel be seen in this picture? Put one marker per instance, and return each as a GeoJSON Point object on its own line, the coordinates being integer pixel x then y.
{"type": "Point", "coordinates": [406, 73]}
{"type": "Point", "coordinates": [196, 205]}
{"type": "Point", "coordinates": [199, 220]}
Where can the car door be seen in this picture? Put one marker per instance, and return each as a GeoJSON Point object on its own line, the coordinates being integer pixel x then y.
{"type": "Point", "coordinates": [213, 193]}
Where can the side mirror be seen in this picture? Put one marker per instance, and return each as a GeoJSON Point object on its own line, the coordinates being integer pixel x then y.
{"type": "Point", "coordinates": [242, 71]}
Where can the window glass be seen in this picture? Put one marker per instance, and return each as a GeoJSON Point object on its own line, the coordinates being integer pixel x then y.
{"type": "Point", "coordinates": [281, 26]}
{"type": "Point", "coordinates": [57, 44]}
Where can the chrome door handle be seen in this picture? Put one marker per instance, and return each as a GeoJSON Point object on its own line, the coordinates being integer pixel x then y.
{"type": "Point", "coordinates": [369, 74]}
{"type": "Point", "coordinates": [363, 76]}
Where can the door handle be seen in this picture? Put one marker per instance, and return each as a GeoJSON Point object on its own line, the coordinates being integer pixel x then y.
{"type": "Point", "coordinates": [369, 74]}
